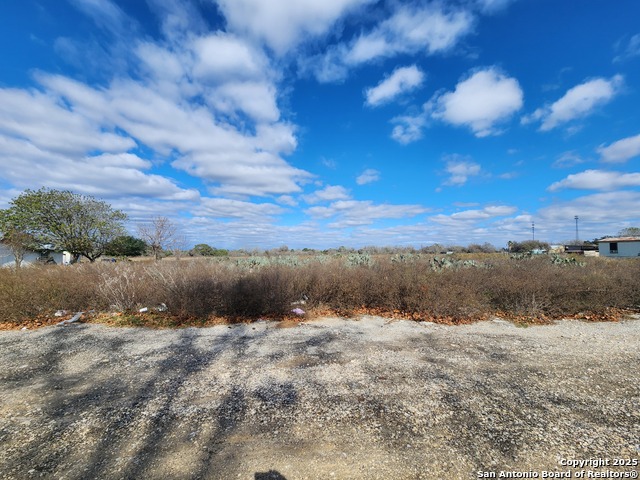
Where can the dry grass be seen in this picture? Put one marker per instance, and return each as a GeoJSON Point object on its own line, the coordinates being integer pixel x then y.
{"type": "Point", "coordinates": [203, 291]}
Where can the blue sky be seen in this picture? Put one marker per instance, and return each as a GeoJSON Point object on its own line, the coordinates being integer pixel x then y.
{"type": "Point", "coordinates": [320, 123]}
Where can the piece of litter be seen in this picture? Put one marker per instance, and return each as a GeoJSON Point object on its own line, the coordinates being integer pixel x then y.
{"type": "Point", "coordinates": [60, 313]}
{"type": "Point", "coordinates": [162, 307]}
{"type": "Point", "coordinates": [298, 311]}
{"type": "Point", "coordinates": [73, 319]}
{"type": "Point", "coordinates": [24, 328]}
{"type": "Point", "coordinates": [143, 310]}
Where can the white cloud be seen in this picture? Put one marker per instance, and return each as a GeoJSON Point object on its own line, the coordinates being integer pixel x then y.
{"type": "Point", "coordinates": [70, 118]}
{"type": "Point", "coordinates": [229, 208]}
{"type": "Point", "coordinates": [287, 200]}
{"type": "Point", "coordinates": [568, 159]}
{"type": "Point", "coordinates": [579, 101]}
{"type": "Point", "coordinates": [409, 29]}
{"type": "Point", "coordinates": [283, 24]}
{"type": "Point", "coordinates": [106, 14]}
{"type": "Point", "coordinates": [256, 99]}
{"type": "Point", "coordinates": [602, 212]}
{"type": "Point", "coordinates": [353, 213]}
{"type": "Point", "coordinates": [492, 6]}
{"type": "Point", "coordinates": [460, 170]}
{"type": "Point", "coordinates": [408, 128]}
{"type": "Point", "coordinates": [221, 57]}
{"type": "Point", "coordinates": [402, 80]}
{"type": "Point", "coordinates": [485, 213]}
{"type": "Point", "coordinates": [486, 98]}
{"type": "Point", "coordinates": [631, 50]}
{"type": "Point", "coordinates": [106, 175]}
{"type": "Point", "coordinates": [160, 62]}
{"type": "Point", "coordinates": [179, 18]}
{"type": "Point", "coordinates": [49, 125]}
{"type": "Point", "coordinates": [597, 180]}
{"type": "Point", "coordinates": [412, 28]}
{"type": "Point", "coordinates": [328, 194]}
{"type": "Point", "coordinates": [620, 151]}
{"type": "Point", "coordinates": [368, 176]}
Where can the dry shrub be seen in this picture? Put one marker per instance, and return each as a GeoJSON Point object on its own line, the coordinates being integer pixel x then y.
{"type": "Point", "coordinates": [41, 290]}
{"type": "Point", "coordinates": [267, 292]}
{"type": "Point", "coordinates": [189, 289]}
{"type": "Point", "coordinates": [202, 288]}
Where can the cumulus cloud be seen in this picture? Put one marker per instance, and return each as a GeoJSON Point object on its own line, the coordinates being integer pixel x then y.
{"type": "Point", "coordinates": [409, 29]}
{"type": "Point", "coordinates": [402, 80]}
{"type": "Point", "coordinates": [579, 102]}
{"type": "Point", "coordinates": [287, 200]}
{"type": "Point", "coordinates": [368, 176]}
{"type": "Point", "coordinates": [283, 24]}
{"type": "Point", "coordinates": [621, 151]}
{"type": "Point", "coordinates": [105, 175]}
{"type": "Point", "coordinates": [459, 170]}
{"type": "Point", "coordinates": [49, 125]}
{"type": "Point", "coordinates": [606, 209]}
{"type": "Point", "coordinates": [223, 56]}
{"type": "Point", "coordinates": [431, 28]}
{"type": "Point", "coordinates": [255, 99]}
{"type": "Point", "coordinates": [597, 180]}
{"type": "Point", "coordinates": [327, 194]}
{"type": "Point", "coordinates": [480, 102]}
{"type": "Point", "coordinates": [408, 128]}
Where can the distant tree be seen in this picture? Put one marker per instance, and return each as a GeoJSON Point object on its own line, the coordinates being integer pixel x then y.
{"type": "Point", "coordinates": [484, 248]}
{"type": "Point", "coordinates": [204, 250]}
{"type": "Point", "coordinates": [431, 249]}
{"type": "Point", "coordinates": [158, 234]}
{"type": "Point", "coordinates": [63, 220]}
{"type": "Point", "coordinates": [126, 246]}
{"type": "Point", "coordinates": [527, 246]}
{"type": "Point", "coordinates": [629, 232]}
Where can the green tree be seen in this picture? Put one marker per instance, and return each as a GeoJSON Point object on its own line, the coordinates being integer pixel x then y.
{"type": "Point", "coordinates": [126, 246]}
{"type": "Point", "coordinates": [629, 232]}
{"type": "Point", "coordinates": [64, 220]}
{"type": "Point", "coordinates": [204, 250]}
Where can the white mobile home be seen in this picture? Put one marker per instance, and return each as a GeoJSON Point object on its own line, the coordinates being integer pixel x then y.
{"type": "Point", "coordinates": [48, 256]}
{"type": "Point", "coordinates": [619, 247]}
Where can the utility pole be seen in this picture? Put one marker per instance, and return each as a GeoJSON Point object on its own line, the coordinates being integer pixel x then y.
{"type": "Point", "coordinates": [533, 231]}
{"type": "Point", "coordinates": [577, 236]}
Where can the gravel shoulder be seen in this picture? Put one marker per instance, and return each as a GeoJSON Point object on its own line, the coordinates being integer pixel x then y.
{"type": "Point", "coordinates": [330, 398]}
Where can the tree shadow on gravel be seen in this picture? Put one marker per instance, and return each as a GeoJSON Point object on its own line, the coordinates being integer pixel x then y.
{"type": "Point", "coordinates": [133, 443]}
{"type": "Point", "coordinates": [270, 475]}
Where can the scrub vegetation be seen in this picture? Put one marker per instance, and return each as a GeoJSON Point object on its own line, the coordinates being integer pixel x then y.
{"type": "Point", "coordinates": [456, 288]}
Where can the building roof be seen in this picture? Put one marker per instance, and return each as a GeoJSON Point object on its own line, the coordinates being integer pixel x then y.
{"type": "Point", "coordinates": [619, 239]}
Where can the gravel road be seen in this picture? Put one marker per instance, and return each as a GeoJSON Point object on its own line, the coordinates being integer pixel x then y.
{"type": "Point", "coordinates": [331, 398]}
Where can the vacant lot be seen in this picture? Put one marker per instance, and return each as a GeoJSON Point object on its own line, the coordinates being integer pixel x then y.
{"type": "Point", "coordinates": [331, 398]}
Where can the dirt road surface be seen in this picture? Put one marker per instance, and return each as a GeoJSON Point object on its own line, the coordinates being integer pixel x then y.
{"type": "Point", "coordinates": [343, 399]}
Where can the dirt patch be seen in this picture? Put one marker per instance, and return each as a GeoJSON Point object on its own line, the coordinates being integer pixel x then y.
{"type": "Point", "coordinates": [332, 398]}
